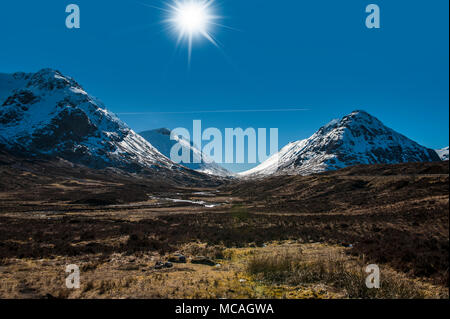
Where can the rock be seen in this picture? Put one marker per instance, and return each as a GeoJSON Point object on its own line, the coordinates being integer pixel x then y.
{"type": "Point", "coordinates": [159, 265]}
{"type": "Point", "coordinates": [201, 260]}
{"type": "Point", "coordinates": [168, 265]}
{"type": "Point", "coordinates": [177, 258]}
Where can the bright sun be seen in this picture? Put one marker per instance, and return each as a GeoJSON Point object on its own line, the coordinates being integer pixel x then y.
{"type": "Point", "coordinates": [192, 18]}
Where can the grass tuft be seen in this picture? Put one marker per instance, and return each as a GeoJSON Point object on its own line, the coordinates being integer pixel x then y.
{"type": "Point", "coordinates": [292, 268]}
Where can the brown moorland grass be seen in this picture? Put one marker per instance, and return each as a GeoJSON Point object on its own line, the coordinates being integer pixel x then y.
{"type": "Point", "coordinates": [292, 268]}
{"type": "Point", "coordinates": [133, 276]}
{"type": "Point", "coordinates": [394, 215]}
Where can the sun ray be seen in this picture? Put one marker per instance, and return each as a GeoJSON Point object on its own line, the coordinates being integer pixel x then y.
{"type": "Point", "coordinates": [225, 26]}
{"type": "Point", "coordinates": [153, 7]}
{"type": "Point", "coordinates": [209, 38]}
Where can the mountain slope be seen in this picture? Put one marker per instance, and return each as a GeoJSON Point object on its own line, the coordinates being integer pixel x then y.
{"type": "Point", "coordinates": [357, 138]}
{"type": "Point", "coordinates": [49, 114]}
{"type": "Point", "coordinates": [443, 153]}
{"type": "Point", "coordinates": [160, 139]}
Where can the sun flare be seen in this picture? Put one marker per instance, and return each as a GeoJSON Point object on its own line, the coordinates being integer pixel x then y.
{"type": "Point", "coordinates": [191, 19]}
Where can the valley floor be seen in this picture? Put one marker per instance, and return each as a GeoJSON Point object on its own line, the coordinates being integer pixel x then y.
{"type": "Point", "coordinates": [123, 276]}
{"type": "Point", "coordinates": [285, 237]}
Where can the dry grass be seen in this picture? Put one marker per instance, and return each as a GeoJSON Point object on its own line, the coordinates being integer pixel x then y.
{"type": "Point", "coordinates": [280, 270]}
{"type": "Point", "coordinates": [291, 267]}
{"type": "Point", "coordinates": [396, 216]}
{"type": "Point", "coordinates": [214, 252]}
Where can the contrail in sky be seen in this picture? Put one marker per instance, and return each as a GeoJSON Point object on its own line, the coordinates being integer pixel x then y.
{"type": "Point", "coordinates": [215, 111]}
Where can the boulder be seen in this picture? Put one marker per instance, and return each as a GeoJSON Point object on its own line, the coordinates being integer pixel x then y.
{"type": "Point", "coordinates": [177, 258]}
{"type": "Point", "coordinates": [159, 265]}
{"type": "Point", "coordinates": [202, 260]}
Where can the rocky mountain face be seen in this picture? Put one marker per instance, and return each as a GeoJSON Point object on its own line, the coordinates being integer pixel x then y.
{"type": "Point", "coordinates": [161, 140]}
{"type": "Point", "coordinates": [49, 114]}
{"type": "Point", "coordinates": [443, 153]}
{"type": "Point", "coordinates": [357, 138]}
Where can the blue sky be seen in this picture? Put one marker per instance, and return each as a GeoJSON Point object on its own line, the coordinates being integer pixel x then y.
{"type": "Point", "coordinates": [282, 54]}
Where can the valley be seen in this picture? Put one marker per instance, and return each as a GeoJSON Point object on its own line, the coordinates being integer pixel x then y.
{"type": "Point", "coordinates": [80, 188]}
{"type": "Point", "coordinates": [281, 237]}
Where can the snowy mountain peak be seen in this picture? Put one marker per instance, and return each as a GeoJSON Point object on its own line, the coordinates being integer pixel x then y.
{"type": "Point", "coordinates": [360, 114]}
{"type": "Point", "coordinates": [160, 138]}
{"type": "Point", "coordinates": [354, 120]}
{"type": "Point", "coordinates": [357, 138]}
{"type": "Point", "coordinates": [49, 79]}
{"type": "Point", "coordinates": [47, 113]}
{"type": "Point", "coordinates": [360, 117]}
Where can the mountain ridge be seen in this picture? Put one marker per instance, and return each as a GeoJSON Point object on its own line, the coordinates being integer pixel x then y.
{"type": "Point", "coordinates": [49, 114]}
{"type": "Point", "coordinates": [160, 138]}
{"type": "Point", "coordinates": [357, 138]}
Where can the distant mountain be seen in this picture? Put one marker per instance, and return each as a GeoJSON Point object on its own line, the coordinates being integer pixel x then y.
{"type": "Point", "coordinates": [49, 114]}
{"type": "Point", "coordinates": [443, 153]}
{"type": "Point", "coordinates": [357, 138]}
{"type": "Point", "coordinates": [160, 139]}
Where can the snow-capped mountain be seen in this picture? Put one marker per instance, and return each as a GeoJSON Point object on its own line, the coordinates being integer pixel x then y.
{"type": "Point", "coordinates": [443, 153]}
{"type": "Point", "coordinates": [47, 113]}
{"type": "Point", "coordinates": [160, 139]}
{"type": "Point", "coordinates": [357, 138]}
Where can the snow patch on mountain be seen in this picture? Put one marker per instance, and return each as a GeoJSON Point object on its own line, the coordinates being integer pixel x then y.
{"type": "Point", "coordinates": [443, 153]}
